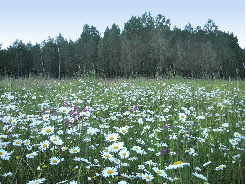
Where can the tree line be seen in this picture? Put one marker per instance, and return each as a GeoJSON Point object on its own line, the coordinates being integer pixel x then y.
{"type": "Point", "coordinates": [146, 47]}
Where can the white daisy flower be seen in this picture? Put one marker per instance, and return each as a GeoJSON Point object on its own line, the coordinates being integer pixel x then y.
{"type": "Point", "coordinates": [200, 176]}
{"type": "Point", "coordinates": [54, 161]}
{"type": "Point", "coordinates": [221, 167]}
{"type": "Point", "coordinates": [74, 150]}
{"type": "Point", "coordinates": [109, 171]}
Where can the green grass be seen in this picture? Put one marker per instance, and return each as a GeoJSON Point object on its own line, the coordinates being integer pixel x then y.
{"type": "Point", "coordinates": [32, 111]}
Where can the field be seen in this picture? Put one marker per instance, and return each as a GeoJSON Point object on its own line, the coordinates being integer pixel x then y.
{"type": "Point", "coordinates": [122, 131]}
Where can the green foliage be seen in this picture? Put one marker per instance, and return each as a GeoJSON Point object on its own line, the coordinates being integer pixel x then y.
{"type": "Point", "coordinates": [146, 47]}
{"type": "Point", "coordinates": [147, 110]}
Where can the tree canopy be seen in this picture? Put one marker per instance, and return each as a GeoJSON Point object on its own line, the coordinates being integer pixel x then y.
{"type": "Point", "coordinates": [146, 47]}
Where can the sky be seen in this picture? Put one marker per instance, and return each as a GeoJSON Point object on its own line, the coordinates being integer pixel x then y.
{"type": "Point", "coordinates": [36, 20]}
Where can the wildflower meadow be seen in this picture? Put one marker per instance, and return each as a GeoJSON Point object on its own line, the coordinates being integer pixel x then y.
{"type": "Point", "coordinates": [122, 131]}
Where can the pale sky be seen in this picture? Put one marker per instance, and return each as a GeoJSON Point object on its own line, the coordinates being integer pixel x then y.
{"type": "Point", "coordinates": [35, 20]}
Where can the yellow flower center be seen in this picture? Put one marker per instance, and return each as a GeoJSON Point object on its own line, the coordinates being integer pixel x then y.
{"type": "Point", "coordinates": [55, 140]}
{"type": "Point", "coordinates": [124, 154]}
{"type": "Point", "coordinates": [123, 131]}
{"type": "Point", "coordinates": [159, 172]}
{"type": "Point", "coordinates": [74, 151]}
{"type": "Point", "coordinates": [107, 156]}
{"type": "Point", "coordinates": [148, 177]}
{"type": "Point", "coordinates": [45, 145]}
{"type": "Point", "coordinates": [110, 171]}
{"type": "Point", "coordinates": [54, 161]}
{"type": "Point", "coordinates": [111, 138]}
{"type": "Point", "coordinates": [48, 130]}
{"type": "Point", "coordinates": [17, 142]}
{"type": "Point", "coordinates": [116, 147]}
{"type": "Point", "coordinates": [178, 162]}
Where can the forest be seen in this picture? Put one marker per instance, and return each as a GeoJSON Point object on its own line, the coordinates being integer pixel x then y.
{"type": "Point", "coordinates": [146, 47]}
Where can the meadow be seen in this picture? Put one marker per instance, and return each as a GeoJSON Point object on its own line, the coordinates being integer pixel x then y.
{"type": "Point", "coordinates": [122, 131]}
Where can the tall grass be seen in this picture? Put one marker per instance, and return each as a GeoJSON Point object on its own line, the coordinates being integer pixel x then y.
{"type": "Point", "coordinates": [122, 131]}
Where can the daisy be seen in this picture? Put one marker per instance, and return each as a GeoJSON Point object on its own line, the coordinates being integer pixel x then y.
{"type": "Point", "coordinates": [140, 141]}
{"type": "Point", "coordinates": [112, 137]}
{"type": "Point", "coordinates": [6, 156]}
{"type": "Point", "coordinates": [92, 131]}
{"type": "Point", "coordinates": [140, 121]}
{"type": "Point", "coordinates": [116, 147]}
{"type": "Point", "coordinates": [32, 155]}
{"type": "Point", "coordinates": [233, 142]}
{"type": "Point", "coordinates": [182, 116]}
{"type": "Point", "coordinates": [221, 167]}
{"type": "Point", "coordinates": [236, 134]}
{"type": "Point", "coordinates": [47, 130]}
{"type": "Point", "coordinates": [199, 176]}
{"type": "Point", "coordinates": [109, 171]}
{"type": "Point", "coordinates": [64, 110]}
{"type": "Point", "coordinates": [172, 137]}
{"type": "Point", "coordinates": [147, 177]}
{"type": "Point", "coordinates": [108, 156]}
{"type": "Point", "coordinates": [207, 163]}
{"type": "Point", "coordinates": [26, 142]}
{"type": "Point", "coordinates": [173, 153]}
{"type": "Point", "coordinates": [123, 182]}
{"type": "Point", "coordinates": [151, 149]}
{"type": "Point", "coordinates": [132, 158]}
{"type": "Point", "coordinates": [191, 151]}
{"type": "Point", "coordinates": [3, 136]}
{"type": "Point", "coordinates": [178, 164]}
{"type": "Point", "coordinates": [124, 164]}
{"type": "Point", "coordinates": [74, 150]}
{"type": "Point", "coordinates": [123, 130]}
{"type": "Point", "coordinates": [166, 110]}
{"type": "Point", "coordinates": [73, 182]}
{"type": "Point", "coordinates": [56, 140]}
{"type": "Point", "coordinates": [139, 175]}
{"type": "Point", "coordinates": [29, 147]}
{"type": "Point", "coordinates": [136, 148]}
{"type": "Point", "coordinates": [124, 154]}
{"type": "Point", "coordinates": [54, 161]}
{"type": "Point", "coordinates": [142, 152]}
{"type": "Point", "coordinates": [60, 132]}
{"type": "Point", "coordinates": [197, 169]}
{"type": "Point", "coordinates": [46, 117]}
{"type": "Point", "coordinates": [7, 174]}
{"type": "Point", "coordinates": [160, 172]}
{"type": "Point", "coordinates": [141, 167]}
{"type": "Point", "coordinates": [116, 161]}
{"type": "Point", "coordinates": [17, 142]}
{"type": "Point", "coordinates": [44, 145]}
{"type": "Point", "coordinates": [150, 163]}
{"type": "Point", "coordinates": [86, 139]}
